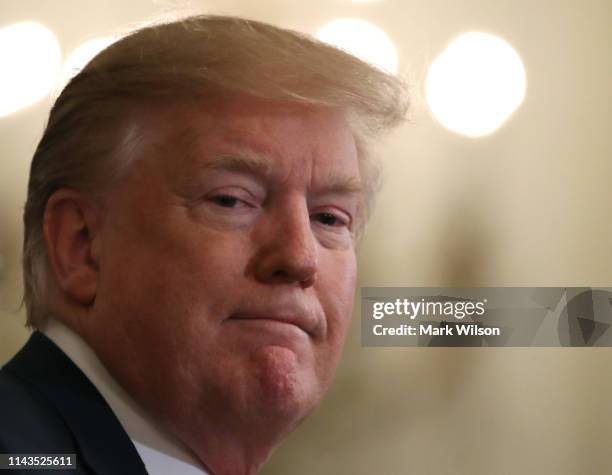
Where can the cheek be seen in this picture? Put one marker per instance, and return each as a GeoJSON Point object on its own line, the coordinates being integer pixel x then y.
{"type": "Point", "coordinates": [336, 293]}
{"type": "Point", "coordinates": [338, 280]}
{"type": "Point", "coordinates": [181, 279]}
{"type": "Point", "coordinates": [167, 301]}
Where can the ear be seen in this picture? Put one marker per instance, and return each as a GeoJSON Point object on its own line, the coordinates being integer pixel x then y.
{"type": "Point", "coordinates": [71, 225]}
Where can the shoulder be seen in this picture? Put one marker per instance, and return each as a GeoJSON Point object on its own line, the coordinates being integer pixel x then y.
{"type": "Point", "coordinates": [48, 405]}
{"type": "Point", "coordinates": [29, 422]}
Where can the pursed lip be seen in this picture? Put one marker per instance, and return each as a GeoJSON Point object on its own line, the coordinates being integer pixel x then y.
{"type": "Point", "coordinates": [305, 321]}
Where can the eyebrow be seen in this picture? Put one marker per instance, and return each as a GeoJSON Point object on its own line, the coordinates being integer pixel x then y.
{"type": "Point", "coordinates": [252, 165]}
{"type": "Point", "coordinates": [248, 165]}
{"type": "Point", "coordinates": [346, 185]}
{"type": "Point", "coordinates": [246, 162]}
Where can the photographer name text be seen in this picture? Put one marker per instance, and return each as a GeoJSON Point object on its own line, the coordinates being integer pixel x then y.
{"type": "Point", "coordinates": [455, 310]}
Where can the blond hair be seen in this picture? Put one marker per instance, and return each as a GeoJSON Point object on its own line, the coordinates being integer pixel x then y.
{"type": "Point", "coordinates": [201, 55]}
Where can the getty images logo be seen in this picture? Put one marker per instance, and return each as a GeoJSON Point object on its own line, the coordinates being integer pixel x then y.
{"type": "Point", "coordinates": [412, 309]}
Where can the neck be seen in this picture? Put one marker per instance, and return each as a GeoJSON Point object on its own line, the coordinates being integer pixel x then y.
{"type": "Point", "coordinates": [136, 422]}
{"type": "Point", "coordinates": [232, 449]}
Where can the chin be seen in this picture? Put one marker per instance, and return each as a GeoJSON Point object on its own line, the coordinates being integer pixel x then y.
{"type": "Point", "coordinates": [287, 390]}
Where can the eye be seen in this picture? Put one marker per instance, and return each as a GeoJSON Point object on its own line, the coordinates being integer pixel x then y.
{"type": "Point", "coordinates": [329, 219]}
{"type": "Point", "coordinates": [226, 201]}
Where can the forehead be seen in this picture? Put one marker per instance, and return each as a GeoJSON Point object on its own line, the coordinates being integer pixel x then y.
{"type": "Point", "coordinates": [279, 136]}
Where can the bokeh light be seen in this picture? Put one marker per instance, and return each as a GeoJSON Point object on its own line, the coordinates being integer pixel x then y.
{"type": "Point", "coordinates": [363, 39]}
{"type": "Point", "coordinates": [30, 58]}
{"type": "Point", "coordinates": [475, 84]}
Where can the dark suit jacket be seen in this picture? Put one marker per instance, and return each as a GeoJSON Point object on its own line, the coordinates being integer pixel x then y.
{"type": "Point", "coordinates": [48, 406]}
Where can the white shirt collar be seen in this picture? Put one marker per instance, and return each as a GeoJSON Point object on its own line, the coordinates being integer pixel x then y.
{"type": "Point", "coordinates": [160, 451]}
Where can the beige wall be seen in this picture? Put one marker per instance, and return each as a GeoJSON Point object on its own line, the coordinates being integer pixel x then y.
{"type": "Point", "coordinates": [528, 205]}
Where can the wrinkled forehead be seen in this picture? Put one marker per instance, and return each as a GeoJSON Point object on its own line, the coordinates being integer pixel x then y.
{"type": "Point", "coordinates": [264, 137]}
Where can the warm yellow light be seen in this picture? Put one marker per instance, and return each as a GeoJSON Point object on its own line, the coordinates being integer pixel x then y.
{"type": "Point", "coordinates": [363, 39]}
{"type": "Point", "coordinates": [30, 59]}
{"type": "Point", "coordinates": [81, 55]}
{"type": "Point", "coordinates": [475, 84]}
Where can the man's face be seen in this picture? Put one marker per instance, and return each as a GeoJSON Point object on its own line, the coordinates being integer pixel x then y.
{"type": "Point", "coordinates": [227, 266]}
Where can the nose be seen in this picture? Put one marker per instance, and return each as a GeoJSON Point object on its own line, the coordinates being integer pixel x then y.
{"type": "Point", "coordinates": [287, 250]}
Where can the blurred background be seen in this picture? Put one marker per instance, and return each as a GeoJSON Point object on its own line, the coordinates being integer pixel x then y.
{"type": "Point", "coordinates": [501, 178]}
